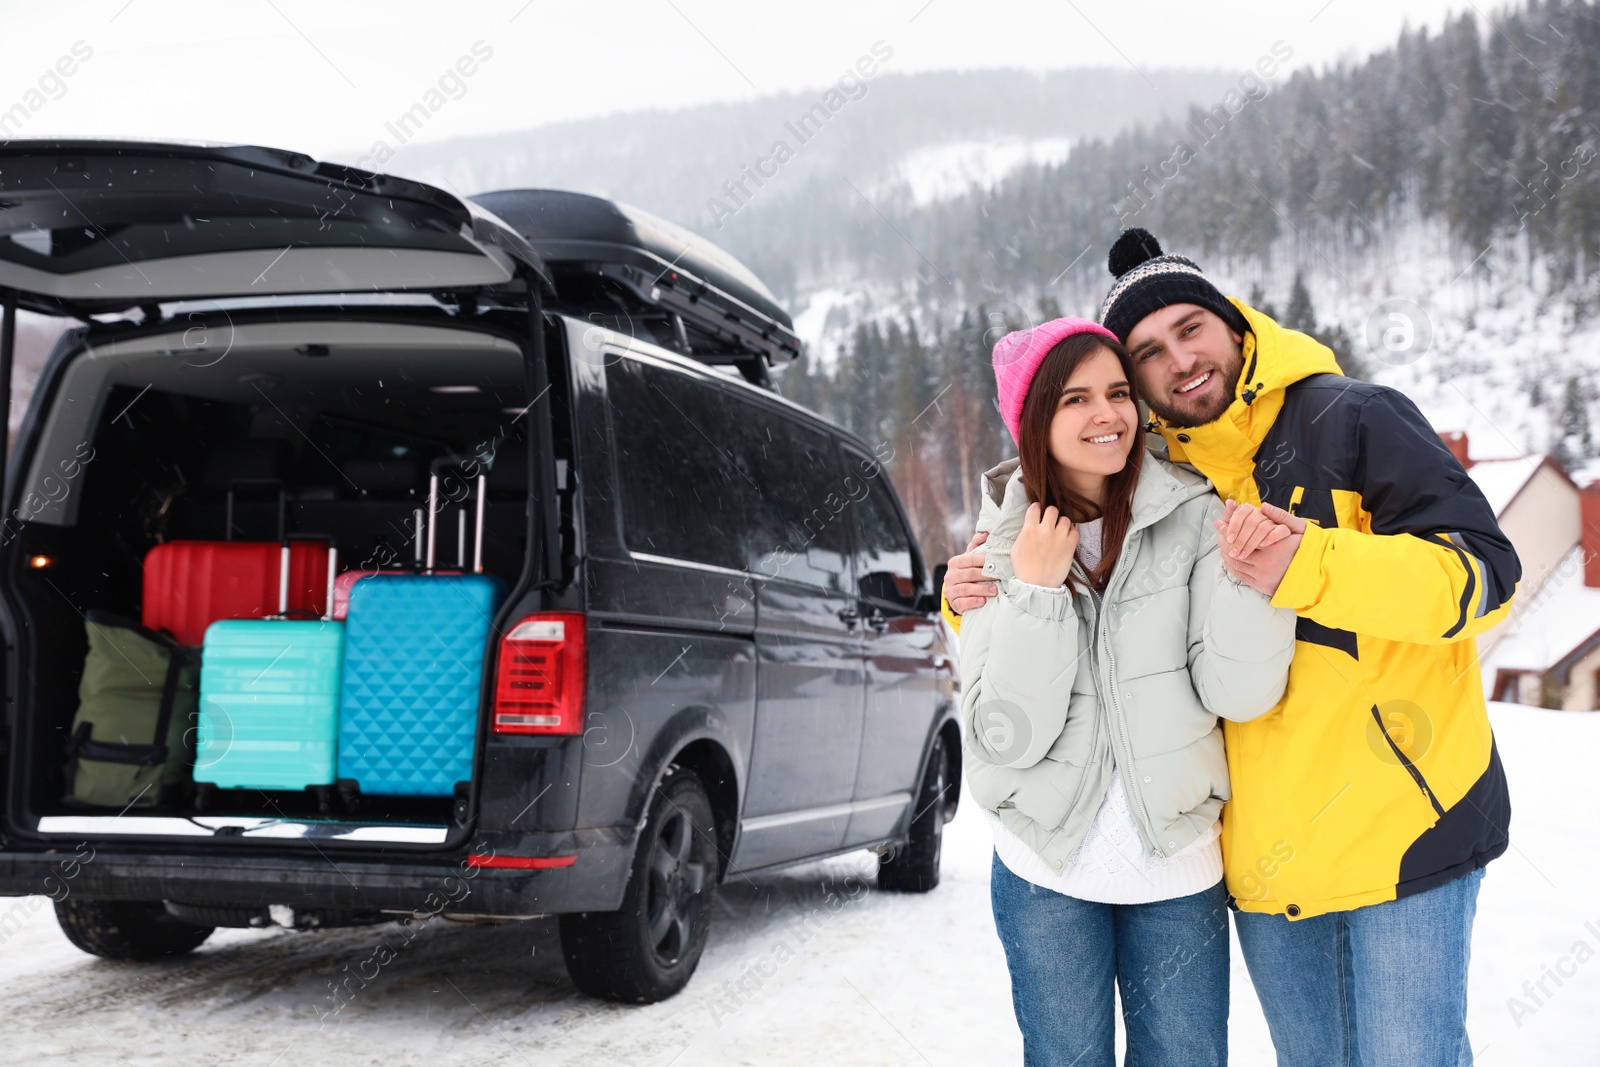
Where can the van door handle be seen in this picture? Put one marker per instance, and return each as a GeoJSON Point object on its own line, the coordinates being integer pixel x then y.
{"type": "Point", "coordinates": [848, 616]}
{"type": "Point", "coordinates": [877, 621]}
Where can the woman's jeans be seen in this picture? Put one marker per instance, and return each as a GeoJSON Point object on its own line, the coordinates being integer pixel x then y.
{"type": "Point", "coordinates": [1169, 960]}
{"type": "Point", "coordinates": [1380, 986]}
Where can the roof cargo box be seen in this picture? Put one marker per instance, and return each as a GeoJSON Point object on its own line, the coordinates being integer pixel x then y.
{"type": "Point", "coordinates": [673, 286]}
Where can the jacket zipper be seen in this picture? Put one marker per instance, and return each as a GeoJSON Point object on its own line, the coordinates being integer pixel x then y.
{"type": "Point", "coordinates": [1411, 768]}
{"type": "Point", "coordinates": [1094, 673]}
{"type": "Point", "coordinates": [1118, 716]}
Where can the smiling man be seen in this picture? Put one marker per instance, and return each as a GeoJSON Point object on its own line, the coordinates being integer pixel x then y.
{"type": "Point", "coordinates": [1367, 803]}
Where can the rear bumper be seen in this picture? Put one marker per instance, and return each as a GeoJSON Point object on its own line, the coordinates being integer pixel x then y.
{"type": "Point", "coordinates": [595, 881]}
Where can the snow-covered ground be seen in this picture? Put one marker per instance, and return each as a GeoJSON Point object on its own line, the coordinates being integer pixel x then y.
{"type": "Point", "coordinates": [804, 967]}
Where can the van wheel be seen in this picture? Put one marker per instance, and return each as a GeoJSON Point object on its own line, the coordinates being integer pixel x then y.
{"type": "Point", "coordinates": [127, 929]}
{"type": "Point", "coordinates": [647, 950]}
{"type": "Point", "coordinates": [914, 866]}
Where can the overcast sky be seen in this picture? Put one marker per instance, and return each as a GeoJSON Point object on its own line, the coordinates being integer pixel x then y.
{"type": "Point", "coordinates": [324, 76]}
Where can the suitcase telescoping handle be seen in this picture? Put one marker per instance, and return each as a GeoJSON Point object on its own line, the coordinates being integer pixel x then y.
{"type": "Point", "coordinates": [433, 512]}
{"type": "Point", "coordinates": [283, 506]}
{"type": "Point", "coordinates": [283, 544]}
{"type": "Point", "coordinates": [283, 531]}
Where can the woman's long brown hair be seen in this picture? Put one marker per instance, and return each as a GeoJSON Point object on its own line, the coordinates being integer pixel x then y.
{"type": "Point", "coordinates": [1039, 474]}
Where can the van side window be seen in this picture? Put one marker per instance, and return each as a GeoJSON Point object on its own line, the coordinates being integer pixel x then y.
{"type": "Point", "coordinates": [803, 535]}
{"type": "Point", "coordinates": [688, 490]}
{"type": "Point", "coordinates": [887, 566]}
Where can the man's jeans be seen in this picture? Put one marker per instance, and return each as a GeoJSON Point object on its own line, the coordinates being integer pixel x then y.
{"type": "Point", "coordinates": [1169, 959]}
{"type": "Point", "coordinates": [1380, 986]}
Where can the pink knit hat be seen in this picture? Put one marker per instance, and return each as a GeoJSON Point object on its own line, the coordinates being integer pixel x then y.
{"type": "Point", "coordinates": [1017, 358]}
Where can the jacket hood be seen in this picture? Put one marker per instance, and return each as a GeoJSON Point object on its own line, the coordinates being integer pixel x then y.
{"type": "Point", "coordinates": [1162, 487]}
{"type": "Point", "coordinates": [1274, 359]}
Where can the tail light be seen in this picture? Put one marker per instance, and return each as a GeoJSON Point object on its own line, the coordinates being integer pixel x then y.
{"type": "Point", "coordinates": [539, 684]}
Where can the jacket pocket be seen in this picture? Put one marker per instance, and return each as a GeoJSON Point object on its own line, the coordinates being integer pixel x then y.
{"type": "Point", "coordinates": [1405, 761]}
{"type": "Point", "coordinates": [1049, 792]}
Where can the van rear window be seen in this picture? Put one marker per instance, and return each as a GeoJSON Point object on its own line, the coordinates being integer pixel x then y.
{"type": "Point", "coordinates": [710, 477]}
{"type": "Point", "coordinates": [687, 489]}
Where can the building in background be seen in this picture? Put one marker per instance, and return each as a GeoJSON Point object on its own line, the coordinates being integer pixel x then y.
{"type": "Point", "coordinates": [1547, 651]}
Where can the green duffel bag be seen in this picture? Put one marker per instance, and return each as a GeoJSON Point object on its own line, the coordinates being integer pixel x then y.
{"type": "Point", "coordinates": [130, 745]}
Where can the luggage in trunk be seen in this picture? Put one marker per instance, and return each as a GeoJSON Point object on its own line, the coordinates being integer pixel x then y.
{"type": "Point", "coordinates": [413, 673]}
{"type": "Point", "coordinates": [136, 704]}
{"type": "Point", "coordinates": [188, 585]}
{"type": "Point", "coordinates": [269, 693]}
{"type": "Point", "coordinates": [343, 583]}
{"type": "Point", "coordinates": [269, 703]}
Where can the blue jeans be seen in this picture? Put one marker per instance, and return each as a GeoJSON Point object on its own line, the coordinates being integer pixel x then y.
{"type": "Point", "coordinates": [1380, 986]}
{"type": "Point", "coordinates": [1169, 959]}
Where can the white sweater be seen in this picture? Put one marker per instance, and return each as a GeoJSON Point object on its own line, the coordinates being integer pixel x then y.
{"type": "Point", "coordinates": [1111, 865]}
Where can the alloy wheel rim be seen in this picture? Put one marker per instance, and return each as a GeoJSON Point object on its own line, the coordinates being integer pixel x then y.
{"type": "Point", "coordinates": [677, 884]}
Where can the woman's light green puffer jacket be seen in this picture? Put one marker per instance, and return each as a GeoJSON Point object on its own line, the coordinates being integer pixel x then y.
{"type": "Point", "coordinates": [1054, 686]}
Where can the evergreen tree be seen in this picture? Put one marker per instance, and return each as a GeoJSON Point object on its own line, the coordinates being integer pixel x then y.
{"type": "Point", "coordinates": [1258, 300]}
{"type": "Point", "coordinates": [1299, 314]}
{"type": "Point", "coordinates": [1574, 444]}
{"type": "Point", "coordinates": [1471, 132]}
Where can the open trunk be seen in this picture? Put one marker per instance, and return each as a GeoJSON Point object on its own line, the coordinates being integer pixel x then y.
{"type": "Point", "coordinates": [144, 440]}
{"type": "Point", "coordinates": [301, 345]}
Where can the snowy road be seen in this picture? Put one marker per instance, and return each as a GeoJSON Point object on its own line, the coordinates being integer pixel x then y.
{"type": "Point", "coordinates": [803, 967]}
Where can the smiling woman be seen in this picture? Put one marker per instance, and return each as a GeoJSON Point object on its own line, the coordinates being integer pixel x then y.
{"type": "Point", "coordinates": [1092, 687]}
{"type": "Point", "coordinates": [1078, 438]}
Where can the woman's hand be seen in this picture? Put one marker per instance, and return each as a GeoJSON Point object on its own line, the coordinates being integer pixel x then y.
{"type": "Point", "coordinates": [1258, 544]}
{"type": "Point", "coordinates": [1043, 552]}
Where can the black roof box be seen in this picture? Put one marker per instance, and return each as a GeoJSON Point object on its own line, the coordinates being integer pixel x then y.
{"type": "Point", "coordinates": [614, 260]}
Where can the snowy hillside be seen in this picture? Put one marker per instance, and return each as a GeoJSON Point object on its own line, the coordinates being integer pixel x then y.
{"type": "Point", "coordinates": [672, 163]}
{"type": "Point", "coordinates": [1486, 348]}
{"type": "Point", "coordinates": [1488, 351]}
{"type": "Point", "coordinates": [953, 168]}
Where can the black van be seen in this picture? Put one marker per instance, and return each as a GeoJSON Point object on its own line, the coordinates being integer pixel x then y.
{"type": "Point", "coordinates": [719, 653]}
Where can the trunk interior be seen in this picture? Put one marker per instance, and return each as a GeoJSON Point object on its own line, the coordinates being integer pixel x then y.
{"type": "Point", "coordinates": [144, 441]}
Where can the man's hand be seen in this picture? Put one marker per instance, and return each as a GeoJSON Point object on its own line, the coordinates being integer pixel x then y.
{"type": "Point", "coordinates": [965, 587]}
{"type": "Point", "coordinates": [1265, 562]}
{"type": "Point", "coordinates": [1244, 528]}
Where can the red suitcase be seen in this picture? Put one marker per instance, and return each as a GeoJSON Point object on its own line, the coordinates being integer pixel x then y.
{"type": "Point", "coordinates": [188, 585]}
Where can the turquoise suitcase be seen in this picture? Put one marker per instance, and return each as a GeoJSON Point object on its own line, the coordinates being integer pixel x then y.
{"type": "Point", "coordinates": [269, 703]}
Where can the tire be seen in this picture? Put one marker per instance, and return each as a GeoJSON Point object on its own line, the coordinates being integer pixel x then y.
{"type": "Point", "coordinates": [647, 950]}
{"type": "Point", "coordinates": [914, 866]}
{"type": "Point", "coordinates": [127, 929]}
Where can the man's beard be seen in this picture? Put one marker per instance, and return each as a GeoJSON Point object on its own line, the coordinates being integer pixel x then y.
{"type": "Point", "coordinates": [1179, 420]}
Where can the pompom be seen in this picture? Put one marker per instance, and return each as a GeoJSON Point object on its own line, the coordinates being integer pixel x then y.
{"type": "Point", "coordinates": [1134, 247]}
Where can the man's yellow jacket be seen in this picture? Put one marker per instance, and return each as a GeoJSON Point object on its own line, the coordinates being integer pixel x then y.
{"type": "Point", "coordinates": [1376, 775]}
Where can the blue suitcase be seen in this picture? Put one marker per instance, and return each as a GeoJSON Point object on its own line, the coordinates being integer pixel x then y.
{"type": "Point", "coordinates": [413, 671]}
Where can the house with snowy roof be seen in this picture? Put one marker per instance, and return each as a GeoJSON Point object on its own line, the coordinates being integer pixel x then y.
{"type": "Point", "coordinates": [1547, 651]}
